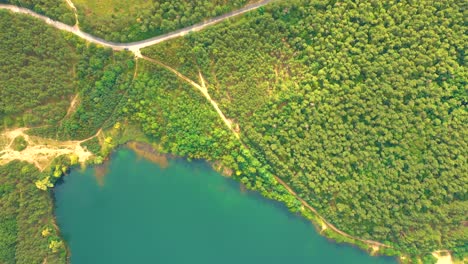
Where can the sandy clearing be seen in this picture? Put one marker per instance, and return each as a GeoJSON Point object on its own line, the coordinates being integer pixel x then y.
{"type": "Point", "coordinates": [375, 249]}
{"type": "Point", "coordinates": [40, 151]}
{"type": "Point", "coordinates": [443, 257]}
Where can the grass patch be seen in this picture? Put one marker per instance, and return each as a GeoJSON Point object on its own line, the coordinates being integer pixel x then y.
{"type": "Point", "coordinates": [110, 8]}
{"type": "Point", "coordinates": [19, 143]}
{"type": "Point", "coordinates": [92, 145]}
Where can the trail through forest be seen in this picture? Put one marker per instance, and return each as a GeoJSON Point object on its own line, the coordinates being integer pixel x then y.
{"type": "Point", "coordinates": [202, 88]}
{"type": "Point", "coordinates": [73, 106]}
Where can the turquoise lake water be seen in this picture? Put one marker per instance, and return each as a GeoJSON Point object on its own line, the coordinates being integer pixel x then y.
{"type": "Point", "coordinates": [185, 213]}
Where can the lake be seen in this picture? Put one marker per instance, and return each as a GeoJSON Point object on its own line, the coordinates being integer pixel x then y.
{"type": "Point", "coordinates": [140, 212]}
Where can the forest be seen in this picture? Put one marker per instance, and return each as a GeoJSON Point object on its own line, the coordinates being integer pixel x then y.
{"type": "Point", "coordinates": [110, 90]}
{"type": "Point", "coordinates": [359, 106]}
{"type": "Point", "coordinates": [42, 70]}
{"type": "Point", "coordinates": [126, 21]}
{"type": "Point", "coordinates": [42, 66]}
{"type": "Point", "coordinates": [27, 224]}
{"type": "Point", "coordinates": [55, 9]}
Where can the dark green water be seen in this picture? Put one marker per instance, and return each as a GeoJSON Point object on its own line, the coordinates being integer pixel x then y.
{"type": "Point", "coordinates": [186, 213]}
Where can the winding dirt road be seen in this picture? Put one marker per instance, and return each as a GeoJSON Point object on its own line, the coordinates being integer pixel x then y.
{"type": "Point", "coordinates": [135, 46]}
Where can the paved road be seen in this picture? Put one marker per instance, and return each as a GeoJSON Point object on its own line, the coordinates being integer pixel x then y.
{"type": "Point", "coordinates": [134, 46]}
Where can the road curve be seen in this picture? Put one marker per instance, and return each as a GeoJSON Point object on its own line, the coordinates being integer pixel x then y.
{"type": "Point", "coordinates": [135, 46]}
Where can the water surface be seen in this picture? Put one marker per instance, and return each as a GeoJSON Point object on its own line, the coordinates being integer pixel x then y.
{"type": "Point", "coordinates": [185, 213]}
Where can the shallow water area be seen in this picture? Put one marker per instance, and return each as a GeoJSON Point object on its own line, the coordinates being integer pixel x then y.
{"type": "Point", "coordinates": [184, 213]}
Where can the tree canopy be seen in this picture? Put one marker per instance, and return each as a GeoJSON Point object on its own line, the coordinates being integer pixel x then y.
{"type": "Point", "coordinates": [125, 21]}
{"type": "Point", "coordinates": [361, 106]}
{"type": "Point", "coordinates": [55, 9]}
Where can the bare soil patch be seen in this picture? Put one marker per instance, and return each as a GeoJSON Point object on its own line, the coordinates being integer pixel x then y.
{"type": "Point", "coordinates": [39, 151]}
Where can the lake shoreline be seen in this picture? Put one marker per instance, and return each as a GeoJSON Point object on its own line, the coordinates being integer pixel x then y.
{"type": "Point", "coordinates": [152, 153]}
{"type": "Point", "coordinates": [69, 198]}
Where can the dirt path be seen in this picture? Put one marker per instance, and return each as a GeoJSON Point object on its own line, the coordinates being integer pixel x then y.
{"type": "Point", "coordinates": [70, 110]}
{"type": "Point", "coordinates": [73, 105]}
{"type": "Point", "coordinates": [133, 46]}
{"type": "Point", "coordinates": [372, 243]}
{"type": "Point", "coordinates": [75, 12]}
{"type": "Point", "coordinates": [41, 151]}
{"type": "Point", "coordinates": [201, 88]}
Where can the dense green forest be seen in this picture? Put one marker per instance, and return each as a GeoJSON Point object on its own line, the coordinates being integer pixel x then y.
{"type": "Point", "coordinates": [182, 122]}
{"type": "Point", "coordinates": [125, 21]}
{"type": "Point", "coordinates": [102, 77]}
{"type": "Point", "coordinates": [27, 224]}
{"type": "Point", "coordinates": [42, 70]}
{"type": "Point", "coordinates": [109, 90]}
{"type": "Point", "coordinates": [39, 61]}
{"type": "Point", "coordinates": [361, 106]}
{"type": "Point", "coordinates": [55, 9]}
